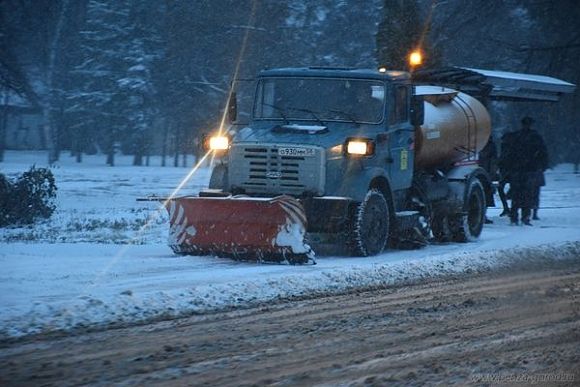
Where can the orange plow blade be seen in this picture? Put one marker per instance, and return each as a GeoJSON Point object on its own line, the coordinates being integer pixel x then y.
{"type": "Point", "coordinates": [243, 228]}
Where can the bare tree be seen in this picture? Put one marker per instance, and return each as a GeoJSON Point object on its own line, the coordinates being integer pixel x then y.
{"type": "Point", "coordinates": [52, 103]}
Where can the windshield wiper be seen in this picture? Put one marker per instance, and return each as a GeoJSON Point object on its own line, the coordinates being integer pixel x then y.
{"type": "Point", "coordinates": [347, 115]}
{"type": "Point", "coordinates": [285, 116]}
{"type": "Point", "coordinates": [316, 117]}
{"type": "Point", "coordinates": [279, 110]}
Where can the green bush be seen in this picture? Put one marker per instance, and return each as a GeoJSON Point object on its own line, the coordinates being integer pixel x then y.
{"type": "Point", "coordinates": [27, 198]}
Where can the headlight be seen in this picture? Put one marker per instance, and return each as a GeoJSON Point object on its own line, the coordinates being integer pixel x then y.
{"type": "Point", "coordinates": [360, 147]}
{"type": "Point", "coordinates": [219, 143]}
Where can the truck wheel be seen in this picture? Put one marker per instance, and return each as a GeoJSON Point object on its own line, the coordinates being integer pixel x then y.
{"type": "Point", "coordinates": [369, 229]}
{"type": "Point", "coordinates": [467, 227]}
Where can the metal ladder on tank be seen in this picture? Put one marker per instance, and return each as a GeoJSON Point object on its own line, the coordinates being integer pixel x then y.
{"type": "Point", "coordinates": [471, 130]}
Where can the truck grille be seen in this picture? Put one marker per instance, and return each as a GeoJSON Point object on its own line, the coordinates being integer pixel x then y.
{"type": "Point", "coordinates": [261, 169]}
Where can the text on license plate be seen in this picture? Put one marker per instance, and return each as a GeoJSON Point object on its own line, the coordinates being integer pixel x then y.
{"type": "Point", "coordinates": [295, 152]}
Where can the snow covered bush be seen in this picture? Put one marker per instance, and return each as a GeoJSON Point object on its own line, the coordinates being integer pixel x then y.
{"type": "Point", "coordinates": [27, 198]}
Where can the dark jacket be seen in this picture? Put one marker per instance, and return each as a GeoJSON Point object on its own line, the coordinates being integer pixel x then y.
{"type": "Point", "coordinates": [529, 153]}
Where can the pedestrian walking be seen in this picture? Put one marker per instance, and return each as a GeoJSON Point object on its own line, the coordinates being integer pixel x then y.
{"type": "Point", "coordinates": [529, 161]}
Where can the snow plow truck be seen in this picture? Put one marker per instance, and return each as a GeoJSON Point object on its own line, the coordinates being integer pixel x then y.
{"type": "Point", "coordinates": [363, 158]}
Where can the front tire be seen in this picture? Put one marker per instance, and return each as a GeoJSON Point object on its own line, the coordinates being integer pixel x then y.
{"type": "Point", "coordinates": [370, 225]}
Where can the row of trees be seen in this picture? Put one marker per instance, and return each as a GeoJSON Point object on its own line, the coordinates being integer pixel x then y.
{"type": "Point", "coordinates": [150, 76]}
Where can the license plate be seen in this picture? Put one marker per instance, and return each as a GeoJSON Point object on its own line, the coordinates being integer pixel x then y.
{"type": "Point", "coordinates": [302, 152]}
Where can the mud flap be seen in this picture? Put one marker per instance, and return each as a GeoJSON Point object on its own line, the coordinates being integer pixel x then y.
{"type": "Point", "coordinates": [240, 227]}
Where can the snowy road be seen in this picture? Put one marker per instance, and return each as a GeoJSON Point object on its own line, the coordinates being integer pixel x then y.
{"type": "Point", "coordinates": [476, 329]}
{"type": "Point", "coordinates": [95, 264]}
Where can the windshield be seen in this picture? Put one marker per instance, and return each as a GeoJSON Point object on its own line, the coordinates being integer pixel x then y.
{"type": "Point", "coordinates": [320, 99]}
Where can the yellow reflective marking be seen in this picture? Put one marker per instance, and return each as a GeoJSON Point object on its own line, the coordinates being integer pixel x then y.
{"type": "Point", "coordinates": [404, 160]}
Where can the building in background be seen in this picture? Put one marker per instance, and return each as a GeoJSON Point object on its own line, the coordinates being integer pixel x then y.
{"type": "Point", "coordinates": [21, 121]}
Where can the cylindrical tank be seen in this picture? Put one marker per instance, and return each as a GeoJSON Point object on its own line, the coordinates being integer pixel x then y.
{"type": "Point", "coordinates": [456, 126]}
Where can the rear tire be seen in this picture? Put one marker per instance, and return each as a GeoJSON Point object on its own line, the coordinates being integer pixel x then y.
{"type": "Point", "coordinates": [467, 227]}
{"type": "Point", "coordinates": [369, 225]}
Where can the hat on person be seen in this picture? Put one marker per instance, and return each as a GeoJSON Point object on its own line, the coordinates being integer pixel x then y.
{"type": "Point", "coordinates": [527, 120]}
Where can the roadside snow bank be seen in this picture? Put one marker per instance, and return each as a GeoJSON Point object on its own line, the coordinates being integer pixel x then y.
{"type": "Point", "coordinates": [132, 308]}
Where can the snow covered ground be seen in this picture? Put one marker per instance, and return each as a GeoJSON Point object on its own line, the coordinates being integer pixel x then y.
{"type": "Point", "coordinates": [102, 259]}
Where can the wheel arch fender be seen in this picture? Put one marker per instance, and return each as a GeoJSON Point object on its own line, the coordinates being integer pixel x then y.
{"type": "Point", "coordinates": [381, 183]}
{"type": "Point", "coordinates": [460, 178]}
{"type": "Point", "coordinates": [356, 185]}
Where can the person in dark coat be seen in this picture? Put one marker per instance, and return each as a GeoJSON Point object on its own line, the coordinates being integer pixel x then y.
{"type": "Point", "coordinates": [530, 160]}
{"type": "Point", "coordinates": [505, 164]}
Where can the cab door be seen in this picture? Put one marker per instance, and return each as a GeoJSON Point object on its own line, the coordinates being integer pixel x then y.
{"type": "Point", "coordinates": [401, 137]}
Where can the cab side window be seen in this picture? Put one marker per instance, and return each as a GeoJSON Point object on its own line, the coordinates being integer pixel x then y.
{"type": "Point", "coordinates": [399, 106]}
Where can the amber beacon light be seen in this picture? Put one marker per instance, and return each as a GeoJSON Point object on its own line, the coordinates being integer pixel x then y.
{"type": "Point", "coordinates": [415, 58]}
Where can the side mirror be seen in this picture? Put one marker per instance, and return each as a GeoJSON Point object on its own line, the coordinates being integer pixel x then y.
{"type": "Point", "coordinates": [417, 110]}
{"type": "Point", "coordinates": [233, 107]}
